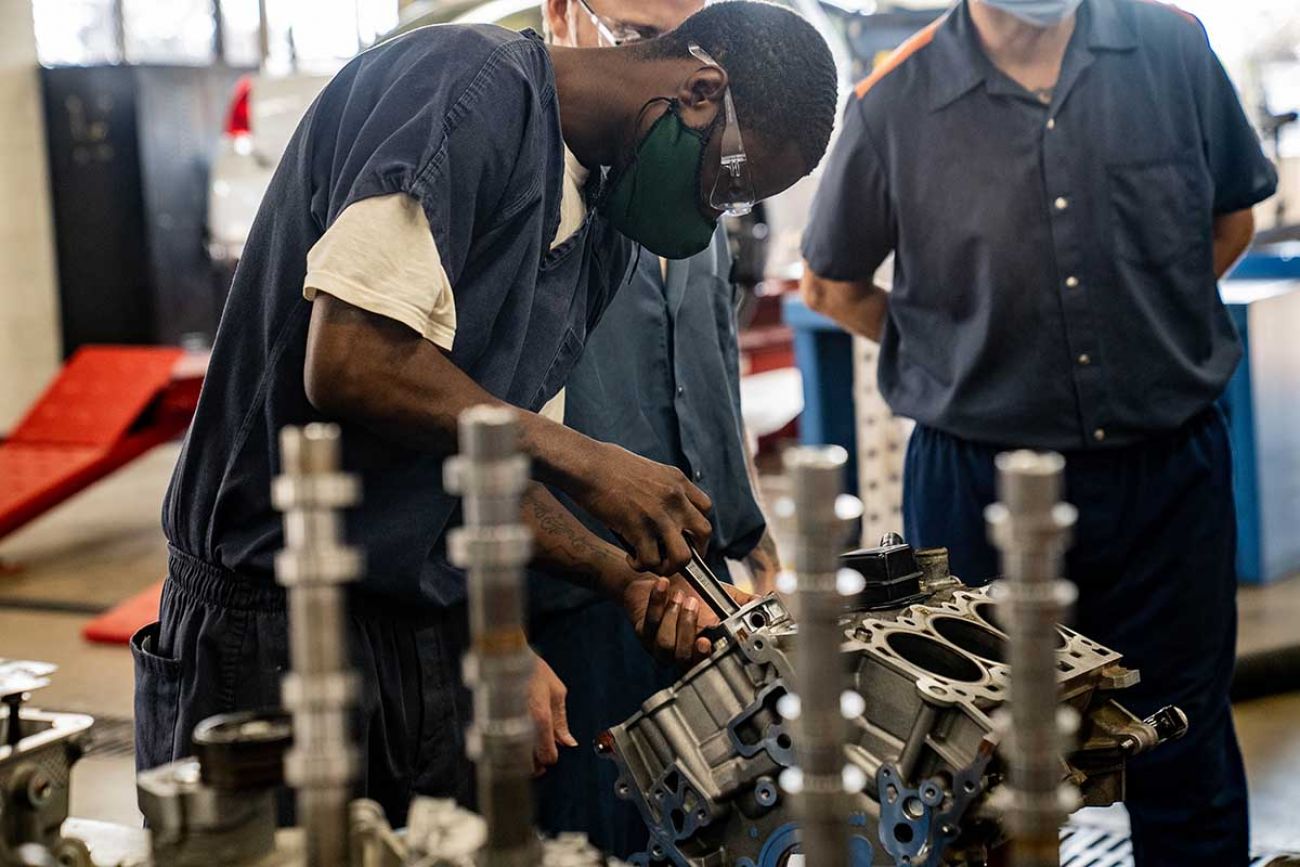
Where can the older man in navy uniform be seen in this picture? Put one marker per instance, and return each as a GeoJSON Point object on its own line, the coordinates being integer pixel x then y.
{"type": "Point", "coordinates": [1062, 183]}
{"type": "Point", "coordinates": [659, 377]}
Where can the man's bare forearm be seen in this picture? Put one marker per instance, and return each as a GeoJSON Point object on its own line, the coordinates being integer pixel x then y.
{"type": "Point", "coordinates": [350, 350]}
{"type": "Point", "coordinates": [860, 306]}
{"type": "Point", "coordinates": [379, 374]}
{"type": "Point", "coordinates": [1232, 235]}
{"type": "Point", "coordinates": [764, 562]}
{"type": "Point", "coordinates": [563, 545]}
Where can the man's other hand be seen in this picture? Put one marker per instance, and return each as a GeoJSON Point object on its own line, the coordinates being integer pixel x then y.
{"type": "Point", "coordinates": [546, 697]}
{"type": "Point", "coordinates": [669, 616]}
{"type": "Point", "coordinates": [652, 507]}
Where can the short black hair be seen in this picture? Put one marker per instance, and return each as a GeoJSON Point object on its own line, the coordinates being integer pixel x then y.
{"type": "Point", "coordinates": [782, 75]}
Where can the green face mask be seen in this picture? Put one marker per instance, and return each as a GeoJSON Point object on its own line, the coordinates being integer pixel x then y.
{"type": "Point", "coordinates": [655, 200]}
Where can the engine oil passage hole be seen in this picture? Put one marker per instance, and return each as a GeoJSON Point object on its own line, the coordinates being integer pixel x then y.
{"type": "Point", "coordinates": [903, 833]}
{"type": "Point", "coordinates": [784, 742]}
{"type": "Point", "coordinates": [934, 657]}
{"type": "Point", "coordinates": [974, 638]}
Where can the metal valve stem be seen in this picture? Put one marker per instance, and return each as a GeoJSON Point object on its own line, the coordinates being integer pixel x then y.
{"type": "Point", "coordinates": [1031, 527]}
{"type": "Point", "coordinates": [320, 689]}
{"type": "Point", "coordinates": [818, 523]}
{"type": "Point", "coordinates": [493, 546]}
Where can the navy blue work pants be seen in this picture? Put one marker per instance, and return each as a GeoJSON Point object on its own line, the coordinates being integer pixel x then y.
{"type": "Point", "coordinates": [1153, 558]}
{"type": "Point", "coordinates": [222, 645]}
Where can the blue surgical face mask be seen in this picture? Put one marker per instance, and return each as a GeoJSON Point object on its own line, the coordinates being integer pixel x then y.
{"type": "Point", "coordinates": [1040, 13]}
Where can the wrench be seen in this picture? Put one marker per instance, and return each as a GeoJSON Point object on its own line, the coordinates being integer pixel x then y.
{"type": "Point", "coordinates": [709, 587]}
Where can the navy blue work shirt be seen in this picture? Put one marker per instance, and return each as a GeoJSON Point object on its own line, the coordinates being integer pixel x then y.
{"type": "Point", "coordinates": [1054, 276]}
{"type": "Point", "coordinates": [660, 377]}
{"type": "Point", "coordinates": [465, 120]}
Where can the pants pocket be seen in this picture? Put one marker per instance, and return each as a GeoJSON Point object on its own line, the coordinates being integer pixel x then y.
{"type": "Point", "coordinates": [157, 700]}
{"type": "Point", "coordinates": [441, 767]}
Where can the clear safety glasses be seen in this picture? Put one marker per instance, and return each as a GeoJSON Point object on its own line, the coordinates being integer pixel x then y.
{"type": "Point", "coordinates": [733, 191]}
{"type": "Point", "coordinates": [618, 32]}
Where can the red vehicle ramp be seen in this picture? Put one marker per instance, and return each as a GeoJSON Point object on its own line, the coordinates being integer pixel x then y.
{"type": "Point", "coordinates": [108, 405]}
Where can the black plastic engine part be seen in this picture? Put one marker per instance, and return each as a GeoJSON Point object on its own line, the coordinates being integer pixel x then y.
{"type": "Point", "coordinates": [243, 751]}
{"type": "Point", "coordinates": [890, 570]}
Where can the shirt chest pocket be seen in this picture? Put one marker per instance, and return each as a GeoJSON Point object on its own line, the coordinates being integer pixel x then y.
{"type": "Point", "coordinates": [1158, 211]}
{"type": "Point", "coordinates": [566, 356]}
{"type": "Point", "coordinates": [562, 286]}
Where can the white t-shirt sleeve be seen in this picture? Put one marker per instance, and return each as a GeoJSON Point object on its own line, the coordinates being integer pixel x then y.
{"type": "Point", "coordinates": [554, 408]}
{"type": "Point", "coordinates": [380, 256]}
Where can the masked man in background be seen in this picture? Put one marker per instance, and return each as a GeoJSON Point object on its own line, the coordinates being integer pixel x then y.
{"type": "Point", "coordinates": [1061, 184]}
{"type": "Point", "coordinates": [660, 377]}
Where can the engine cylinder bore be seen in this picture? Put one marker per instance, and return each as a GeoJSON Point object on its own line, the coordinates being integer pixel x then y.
{"type": "Point", "coordinates": [935, 657]}
{"type": "Point", "coordinates": [974, 638]}
{"type": "Point", "coordinates": [988, 612]}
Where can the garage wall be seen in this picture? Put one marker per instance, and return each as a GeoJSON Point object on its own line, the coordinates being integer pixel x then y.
{"type": "Point", "coordinates": [29, 338]}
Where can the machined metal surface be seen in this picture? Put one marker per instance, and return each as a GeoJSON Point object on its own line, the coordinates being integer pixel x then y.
{"type": "Point", "coordinates": [1030, 526]}
{"type": "Point", "coordinates": [320, 689]}
{"type": "Point", "coordinates": [815, 516]}
{"type": "Point", "coordinates": [37, 752]}
{"type": "Point", "coordinates": [192, 824]}
{"type": "Point", "coordinates": [708, 586]}
{"type": "Point", "coordinates": [702, 759]}
{"type": "Point", "coordinates": [490, 474]}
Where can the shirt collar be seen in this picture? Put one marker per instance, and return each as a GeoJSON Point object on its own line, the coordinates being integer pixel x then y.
{"type": "Point", "coordinates": [1109, 29]}
{"type": "Point", "coordinates": [961, 65]}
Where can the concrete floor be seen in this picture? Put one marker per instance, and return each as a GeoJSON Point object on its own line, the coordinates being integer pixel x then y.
{"type": "Point", "coordinates": [105, 545]}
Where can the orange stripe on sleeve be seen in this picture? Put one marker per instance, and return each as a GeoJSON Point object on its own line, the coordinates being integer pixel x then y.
{"type": "Point", "coordinates": [914, 43]}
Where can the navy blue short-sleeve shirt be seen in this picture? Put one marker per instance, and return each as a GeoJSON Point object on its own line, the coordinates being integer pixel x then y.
{"type": "Point", "coordinates": [1054, 278]}
{"type": "Point", "coordinates": [465, 121]}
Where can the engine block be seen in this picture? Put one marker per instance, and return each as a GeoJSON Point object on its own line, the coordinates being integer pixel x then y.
{"type": "Point", "coordinates": [704, 760]}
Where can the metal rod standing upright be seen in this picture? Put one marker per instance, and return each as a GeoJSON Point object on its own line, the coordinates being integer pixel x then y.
{"type": "Point", "coordinates": [818, 528]}
{"type": "Point", "coordinates": [1031, 527]}
{"type": "Point", "coordinates": [320, 689]}
{"type": "Point", "coordinates": [493, 545]}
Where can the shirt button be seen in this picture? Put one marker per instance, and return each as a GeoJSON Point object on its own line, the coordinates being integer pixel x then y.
{"type": "Point", "coordinates": [681, 389]}
{"type": "Point", "coordinates": [1099, 434]}
{"type": "Point", "coordinates": [699, 474]}
{"type": "Point", "coordinates": [1061, 203]}
{"type": "Point", "coordinates": [1051, 123]}
{"type": "Point", "coordinates": [1072, 282]}
{"type": "Point", "coordinates": [1085, 359]}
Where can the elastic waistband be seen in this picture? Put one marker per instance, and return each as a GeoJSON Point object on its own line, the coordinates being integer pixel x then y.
{"type": "Point", "coordinates": [213, 585]}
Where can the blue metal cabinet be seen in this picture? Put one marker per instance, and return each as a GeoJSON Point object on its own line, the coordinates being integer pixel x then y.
{"type": "Point", "coordinates": [824, 353]}
{"type": "Point", "coordinates": [1262, 403]}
